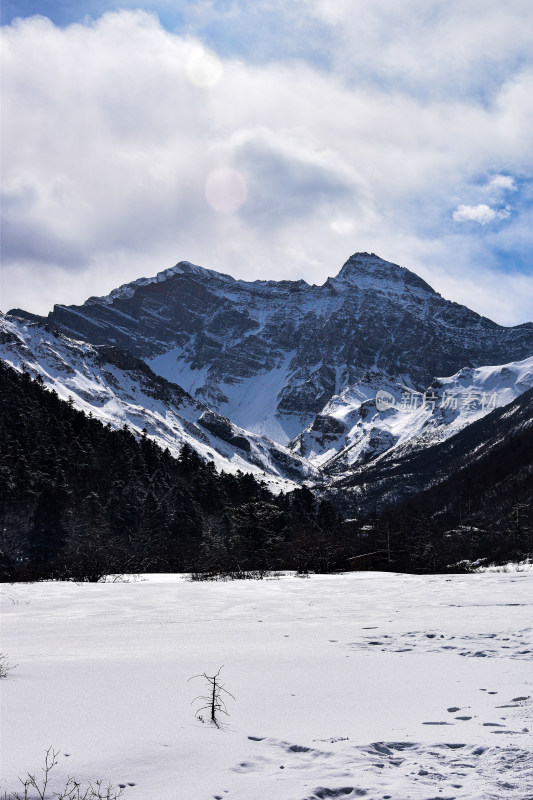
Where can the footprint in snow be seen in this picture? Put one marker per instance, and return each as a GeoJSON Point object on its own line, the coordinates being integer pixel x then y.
{"type": "Point", "coordinates": [322, 792]}
{"type": "Point", "coordinates": [244, 766]}
{"type": "Point", "coordinates": [469, 645]}
{"type": "Point", "coordinates": [446, 763]}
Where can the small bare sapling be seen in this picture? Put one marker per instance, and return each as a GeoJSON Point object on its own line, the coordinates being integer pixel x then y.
{"type": "Point", "coordinates": [213, 701]}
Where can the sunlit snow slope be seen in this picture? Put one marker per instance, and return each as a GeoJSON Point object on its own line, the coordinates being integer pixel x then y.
{"type": "Point", "coordinates": [292, 371]}
{"type": "Point", "coordinates": [271, 355]}
{"type": "Point", "coordinates": [353, 429]}
{"type": "Point", "coordinates": [119, 388]}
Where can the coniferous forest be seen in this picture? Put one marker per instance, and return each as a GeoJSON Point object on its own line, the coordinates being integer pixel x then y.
{"type": "Point", "coordinates": [79, 500]}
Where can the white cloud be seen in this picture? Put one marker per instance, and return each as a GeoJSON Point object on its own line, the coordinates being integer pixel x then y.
{"type": "Point", "coordinates": [502, 182]}
{"type": "Point", "coordinates": [109, 147]}
{"type": "Point", "coordinates": [442, 48]}
{"type": "Point", "coordinates": [481, 213]}
{"type": "Point", "coordinates": [204, 69]}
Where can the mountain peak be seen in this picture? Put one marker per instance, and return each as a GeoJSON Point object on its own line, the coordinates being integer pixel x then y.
{"type": "Point", "coordinates": [270, 355]}
{"type": "Point", "coordinates": [182, 267]}
{"type": "Point", "coordinates": [362, 268]}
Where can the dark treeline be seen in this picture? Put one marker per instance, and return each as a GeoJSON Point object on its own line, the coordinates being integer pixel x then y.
{"type": "Point", "coordinates": [482, 511]}
{"type": "Point", "coordinates": [79, 500]}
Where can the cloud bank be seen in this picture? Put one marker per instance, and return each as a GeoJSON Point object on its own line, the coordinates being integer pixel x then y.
{"type": "Point", "coordinates": [481, 213]}
{"type": "Point", "coordinates": [128, 147]}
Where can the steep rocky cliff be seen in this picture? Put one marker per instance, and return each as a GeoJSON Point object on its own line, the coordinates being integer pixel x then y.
{"type": "Point", "coordinates": [274, 356]}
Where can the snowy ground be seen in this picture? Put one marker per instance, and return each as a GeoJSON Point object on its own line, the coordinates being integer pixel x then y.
{"type": "Point", "coordinates": [358, 685]}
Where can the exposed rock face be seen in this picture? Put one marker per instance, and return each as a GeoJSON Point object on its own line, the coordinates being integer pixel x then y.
{"type": "Point", "coordinates": [379, 415]}
{"type": "Point", "coordinates": [398, 476]}
{"type": "Point", "coordinates": [271, 356]}
{"type": "Point", "coordinates": [118, 387]}
{"type": "Point", "coordinates": [223, 428]}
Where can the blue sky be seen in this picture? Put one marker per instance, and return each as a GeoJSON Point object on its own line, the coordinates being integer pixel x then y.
{"type": "Point", "coordinates": [258, 31]}
{"type": "Point", "coordinates": [268, 139]}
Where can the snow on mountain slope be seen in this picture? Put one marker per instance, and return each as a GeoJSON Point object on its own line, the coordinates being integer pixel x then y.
{"type": "Point", "coordinates": [271, 355]}
{"type": "Point", "coordinates": [377, 415]}
{"type": "Point", "coordinates": [118, 388]}
{"type": "Point", "coordinates": [494, 451]}
{"type": "Point", "coordinates": [250, 403]}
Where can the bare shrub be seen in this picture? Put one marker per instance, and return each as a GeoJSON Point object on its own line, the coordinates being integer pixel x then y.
{"type": "Point", "coordinates": [5, 666]}
{"type": "Point", "coordinates": [34, 788]}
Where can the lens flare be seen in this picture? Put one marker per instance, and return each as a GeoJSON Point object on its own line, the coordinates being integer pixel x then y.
{"type": "Point", "coordinates": [225, 190]}
{"type": "Point", "coordinates": [204, 69]}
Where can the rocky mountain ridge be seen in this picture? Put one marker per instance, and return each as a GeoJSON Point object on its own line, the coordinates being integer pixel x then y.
{"type": "Point", "coordinates": [291, 381]}
{"type": "Point", "coordinates": [119, 388]}
{"type": "Point", "coordinates": [378, 415]}
{"type": "Point", "coordinates": [271, 355]}
{"type": "Point", "coordinates": [399, 476]}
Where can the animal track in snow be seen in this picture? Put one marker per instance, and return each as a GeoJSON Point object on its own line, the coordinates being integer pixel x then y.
{"type": "Point", "coordinates": [391, 769]}
{"type": "Point", "coordinates": [518, 645]}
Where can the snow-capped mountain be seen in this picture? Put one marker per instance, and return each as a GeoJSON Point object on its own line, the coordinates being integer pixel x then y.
{"type": "Point", "coordinates": [377, 415]}
{"type": "Point", "coordinates": [494, 449]}
{"type": "Point", "coordinates": [296, 381]}
{"type": "Point", "coordinates": [271, 355]}
{"type": "Point", "coordinates": [118, 388]}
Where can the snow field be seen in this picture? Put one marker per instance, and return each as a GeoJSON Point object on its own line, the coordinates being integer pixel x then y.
{"type": "Point", "coordinates": [357, 685]}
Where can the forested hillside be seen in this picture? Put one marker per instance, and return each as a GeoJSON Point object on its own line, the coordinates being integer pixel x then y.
{"type": "Point", "coordinates": [478, 503]}
{"type": "Point", "coordinates": [79, 500]}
